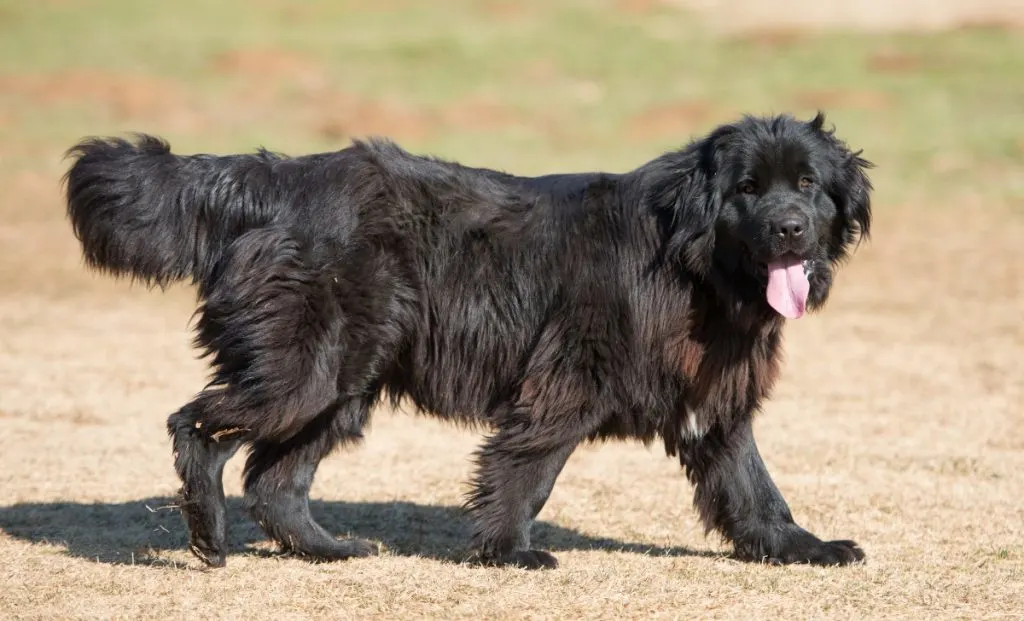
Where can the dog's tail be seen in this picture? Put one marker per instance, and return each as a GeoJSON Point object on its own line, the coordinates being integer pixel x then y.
{"type": "Point", "coordinates": [141, 211]}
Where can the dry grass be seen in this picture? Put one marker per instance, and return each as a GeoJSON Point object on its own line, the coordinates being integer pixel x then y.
{"type": "Point", "coordinates": [898, 421]}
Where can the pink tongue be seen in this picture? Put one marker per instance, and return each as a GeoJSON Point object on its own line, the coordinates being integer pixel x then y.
{"type": "Point", "coordinates": [788, 287]}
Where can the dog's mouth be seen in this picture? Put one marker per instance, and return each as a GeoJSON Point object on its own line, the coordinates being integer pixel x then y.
{"type": "Point", "coordinates": [788, 286]}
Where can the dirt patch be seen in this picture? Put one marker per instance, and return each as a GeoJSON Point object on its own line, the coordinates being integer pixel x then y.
{"type": "Point", "coordinates": [946, 163]}
{"type": "Point", "coordinates": [266, 63]}
{"type": "Point", "coordinates": [772, 38]}
{"type": "Point", "coordinates": [8, 18]}
{"type": "Point", "coordinates": [343, 115]}
{"type": "Point", "coordinates": [996, 23]}
{"type": "Point", "coordinates": [540, 70]}
{"type": "Point", "coordinates": [638, 6]}
{"type": "Point", "coordinates": [840, 99]}
{"type": "Point", "coordinates": [503, 9]}
{"type": "Point", "coordinates": [125, 95]}
{"type": "Point", "coordinates": [895, 62]}
{"type": "Point", "coordinates": [900, 63]}
{"type": "Point", "coordinates": [481, 114]}
{"type": "Point", "coordinates": [677, 118]}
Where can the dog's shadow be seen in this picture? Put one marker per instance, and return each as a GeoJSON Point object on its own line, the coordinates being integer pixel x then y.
{"type": "Point", "coordinates": [135, 532]}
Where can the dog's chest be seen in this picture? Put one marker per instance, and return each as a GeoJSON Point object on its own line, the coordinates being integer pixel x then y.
{"type": "Point", "coordinates": [724, 374]}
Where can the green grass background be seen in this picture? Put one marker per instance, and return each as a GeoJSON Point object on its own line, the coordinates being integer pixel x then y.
{"type": "Point", "coordinates": [959, 100]}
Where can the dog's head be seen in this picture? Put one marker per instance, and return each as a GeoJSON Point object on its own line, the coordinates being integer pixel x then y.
{"type": "Point", "coordinates": [766, 208]}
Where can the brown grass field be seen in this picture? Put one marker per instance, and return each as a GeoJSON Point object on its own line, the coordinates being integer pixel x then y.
{"type": "Point", "coordinates": [899, 421]}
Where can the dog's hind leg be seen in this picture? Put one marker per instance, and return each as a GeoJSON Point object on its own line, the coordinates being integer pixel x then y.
{"type": "Point", "coordinates": [273, 328]}
{"type": "Point", "coordinates": [199, 460]}
{"type": "Point", "coordinates": [278, 477]}
{"type": "Point", "coordinates": [512, 484]}
{"type": "Point", "coordinates": [294, 377]}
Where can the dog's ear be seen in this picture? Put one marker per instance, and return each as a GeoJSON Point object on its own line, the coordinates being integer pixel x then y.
{"type": "Point", "coordinates": [853, 195]}
{"type": "Point", "coordinates": [850, 189]}
{"type": "Point", "coordinates": [685, 193]}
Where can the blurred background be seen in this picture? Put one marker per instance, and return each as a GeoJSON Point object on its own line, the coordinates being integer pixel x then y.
{"type": "Point", "coordinates": [898, 421]}
{"type": "Point", "coordinates": [931, 90]}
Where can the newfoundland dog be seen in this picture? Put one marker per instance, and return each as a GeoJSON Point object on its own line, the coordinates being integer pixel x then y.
{"type": "Point", "coordinates": [551, 310]}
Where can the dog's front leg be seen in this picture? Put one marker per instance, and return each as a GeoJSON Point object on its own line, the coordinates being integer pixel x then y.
{"type": "Point", "coordinates": [737, 497]}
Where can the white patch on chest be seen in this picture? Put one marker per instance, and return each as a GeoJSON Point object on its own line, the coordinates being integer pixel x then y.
{"type": "Point", "coordinates": [689, 428]}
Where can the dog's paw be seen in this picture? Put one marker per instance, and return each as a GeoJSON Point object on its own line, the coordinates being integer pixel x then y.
{"type": "Point", "coordinates": [526, 559]}
{"type": "Point", "coordinates": [825, 553]}
{"type": "Point", "coordinates": [356, 548]}
{"type": "Point", "coordinates": [212, 555]}
{"type": "Point", "coordinates": [330, 550]}
{"type": "Point", "coordinates": [794, 545]}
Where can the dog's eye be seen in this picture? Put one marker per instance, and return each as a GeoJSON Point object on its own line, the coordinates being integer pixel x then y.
{"type": "Point", "coordinates": [806, 182]}
{"type": "Point", "coordinates": [746, 187]}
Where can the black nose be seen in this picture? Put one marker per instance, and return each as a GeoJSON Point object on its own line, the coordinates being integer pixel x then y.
{"type": "Point", "coordinates": [789, 226]}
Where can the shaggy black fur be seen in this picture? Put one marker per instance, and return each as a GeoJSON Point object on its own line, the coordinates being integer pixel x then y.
{"type": "Point", "coordinates": [553, 310]}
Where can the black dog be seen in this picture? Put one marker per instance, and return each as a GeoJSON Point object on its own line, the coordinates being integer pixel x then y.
{"type": "Point", "coordinates": [555, 310]}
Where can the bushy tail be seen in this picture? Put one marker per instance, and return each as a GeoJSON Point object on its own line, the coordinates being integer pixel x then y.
{"type": "Point", "coordinates": [140, 210]}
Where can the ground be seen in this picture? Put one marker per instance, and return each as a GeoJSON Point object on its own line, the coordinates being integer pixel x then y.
{"type": "Point", "coordinates": [898, 421]}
